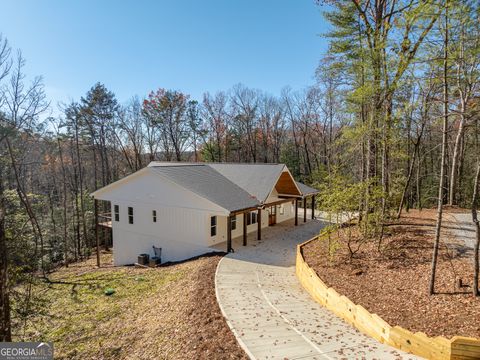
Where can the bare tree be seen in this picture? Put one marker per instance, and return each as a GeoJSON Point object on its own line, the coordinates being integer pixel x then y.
{"type": "Point", "coordinates": [214, 111]}
{"type": "Point", "coordinates": [441, 182]}
{"type": "Point", "coordinates": [476, 223]}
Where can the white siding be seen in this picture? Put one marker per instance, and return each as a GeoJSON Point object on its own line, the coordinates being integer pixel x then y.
{"type": "Point", "coordinates": [288, 211]}
{"type": "Point", "coordinates": [178, 231]}
{"type": "Point", "coordinates": [183, 219]}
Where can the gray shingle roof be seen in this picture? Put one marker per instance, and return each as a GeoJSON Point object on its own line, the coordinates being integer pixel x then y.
{"type": "Point", "coordinates": [208, 183]}
{"type": "Point", "coordinates": [305, 189]}
{"type": "Point", "coordinates": [231, 186]}
{"type": "Point", "coordinates": [256, 179]}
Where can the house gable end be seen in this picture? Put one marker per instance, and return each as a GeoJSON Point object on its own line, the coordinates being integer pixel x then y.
{"type": "Point", "coordinates": [286, 184]}
{"type": "Point", "coordinates": [149, 187]}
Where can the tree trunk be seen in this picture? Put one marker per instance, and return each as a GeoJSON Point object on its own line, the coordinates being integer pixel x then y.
{"type": "Point", "coordinates": [438, 226]}
{"type": "Point", "coordinates": [64, 196]}
{"type": "Point", "coordinates": [418, 185]}
{"type": "Point", "coordinates": [476, 189]}
{"type": "Point", "coordinates": [5, 323]}
{"type": "Point", "coordinates": [455, 161]}
{"type": "Point", "coordinates": [407, 183]}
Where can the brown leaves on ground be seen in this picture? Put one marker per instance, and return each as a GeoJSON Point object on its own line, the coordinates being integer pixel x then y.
{"type": "Point", "coordinates": [168, 312]}
{"type": "Point", "coordinates": [394, 283]}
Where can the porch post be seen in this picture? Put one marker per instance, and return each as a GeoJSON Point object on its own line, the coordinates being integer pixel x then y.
{"type": "Point", "coordinates": [95, 205]}
{"type": "Point", "coordinates": [304, 209]}
{"type": "Point", "coordinates": [229, 233]}
{"type": "Point", "coordinates": [259, 225]}
{"type": "Point", "coordinates": [105, 238]}
{"type": "Point", "coordinates": [313, 207]}
{"type": "Point", "coordinates": [244, 229]}
{"type": "Point", "coordinates": [296, 211]}
{"type": "Point", "coordinates": [107, 230]}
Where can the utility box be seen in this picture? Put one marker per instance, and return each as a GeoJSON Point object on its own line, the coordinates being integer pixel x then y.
{"type": "Point", "coordinates": [154, 261]}
{"type": "Point", "coordinates": [143, 259]}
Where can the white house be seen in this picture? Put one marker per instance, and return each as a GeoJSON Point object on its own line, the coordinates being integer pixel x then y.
{"type": "Point", "coordinates": [187, 208]}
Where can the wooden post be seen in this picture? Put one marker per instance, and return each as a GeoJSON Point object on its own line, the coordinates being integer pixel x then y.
{"type": "Point", "coordinates": [106, 237]}
{"type": "Point", "coordinates": [259, 224]}
{"type": "Point", "coordinates": [244, 229]}
{"type": "Point", "coordinates": [304, 209]}
{"type": "Point", "coordinates": [296, 212]}
{"type": "Point", "coordinates": [95, 204]}
{"type": "Point", "coordinates": [313, 207]}
{"type": "Point", "coordinates": [108, 231]}
{"type": "Point", "coordinates": [229, 234]}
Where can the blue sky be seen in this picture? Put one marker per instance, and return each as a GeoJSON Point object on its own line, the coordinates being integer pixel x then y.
{"type": "Point", "coordinates": [193, 46]}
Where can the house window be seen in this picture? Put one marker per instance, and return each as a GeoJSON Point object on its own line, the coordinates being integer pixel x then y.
{"type": "Point", "coordinates": [154, 215]}
{"type": "Point", "coordinates": [233, 222]}
{"type": "Point", "coordinates": [252, 218]}
{"type": "Point", "coordinates": [282, 209]}
{"type": "Point", "coordinates": [213, 225]}
{"type": "Point", "coordinates": [130, 215]}
{"type": "Point", "coordinates": [116, 212]}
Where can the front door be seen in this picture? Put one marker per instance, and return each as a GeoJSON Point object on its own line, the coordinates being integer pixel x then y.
{"type": "Point", "coordinates": [272, 216]}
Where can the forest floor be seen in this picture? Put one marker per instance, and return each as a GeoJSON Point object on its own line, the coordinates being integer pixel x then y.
{"type": "Point", "coordinates": [393, 283]}
{"type": "Point", "coordinates": [167, 312]}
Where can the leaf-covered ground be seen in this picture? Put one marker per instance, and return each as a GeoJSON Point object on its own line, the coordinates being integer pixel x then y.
{"type": "Point", "coordinates": [394, 283]}
{"type": "Point", "coordinates": [164, 313]}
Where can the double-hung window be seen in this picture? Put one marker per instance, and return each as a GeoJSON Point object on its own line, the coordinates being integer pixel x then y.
{"type": "Point", "coordinates": [116, 212]}
{"type": "Point", "coordinates": [213, 225]}
{"type": "Point", "coordinates": [233, 222]}
{"type": "Point", "coordinates": [154, 215]}
{"type": "Point", "coordinates": [130, 215]}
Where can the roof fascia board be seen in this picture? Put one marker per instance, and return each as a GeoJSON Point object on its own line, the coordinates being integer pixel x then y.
{"type": "Point", "coordinates": [273, 187]}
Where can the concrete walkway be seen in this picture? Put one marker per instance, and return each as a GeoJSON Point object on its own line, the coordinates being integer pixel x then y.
{"type": "Point", "coordinates": [270, 313]}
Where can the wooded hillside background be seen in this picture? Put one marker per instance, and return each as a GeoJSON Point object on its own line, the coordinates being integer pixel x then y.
{"type": "Point", "coordinates": [393, 117]}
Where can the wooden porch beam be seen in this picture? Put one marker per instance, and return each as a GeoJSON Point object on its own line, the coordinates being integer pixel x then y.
{"type": "Point", "coordinates": [95, 205]}
{"type": "Point", "coordinates": [229, 234]}
{"type": "Point", "coordinates": [244, 229]}
{"type": "Point", "coordinates": [296, 212]}
{"type": "Point", "coordinates": [259, 225]}
{"type": "Point", "coordinates": [304, 209]}
{"type": "Point", "coordinates": [243, 211]}
{"type": "Point", "coordinates": [313, 207]}
{"type": "Point", "coordinates": [286, 200]}
{"type": "Point", "coordinates": [289, 196]}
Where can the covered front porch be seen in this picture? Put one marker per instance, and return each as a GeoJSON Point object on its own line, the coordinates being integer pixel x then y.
{"type": "Point", "coordinates": [271, 218]}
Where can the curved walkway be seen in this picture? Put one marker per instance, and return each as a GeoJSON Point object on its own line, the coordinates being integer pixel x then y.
{"type": "Point", "coordinates": [270, 313]}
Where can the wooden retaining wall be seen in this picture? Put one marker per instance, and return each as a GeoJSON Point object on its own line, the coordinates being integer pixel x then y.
{"type": "Point", "coordinates": [456, 348]}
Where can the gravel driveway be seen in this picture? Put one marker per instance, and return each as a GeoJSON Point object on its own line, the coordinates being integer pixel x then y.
{"type": "Point", "coordinates": [464, 229]}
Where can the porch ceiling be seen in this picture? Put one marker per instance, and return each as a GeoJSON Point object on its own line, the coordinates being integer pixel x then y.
{"type": "Point", "coordinates": [286, 185]}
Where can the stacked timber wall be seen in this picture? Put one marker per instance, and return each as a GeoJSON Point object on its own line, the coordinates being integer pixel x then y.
{"type": "Point", "coordinates": [456, 348]}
